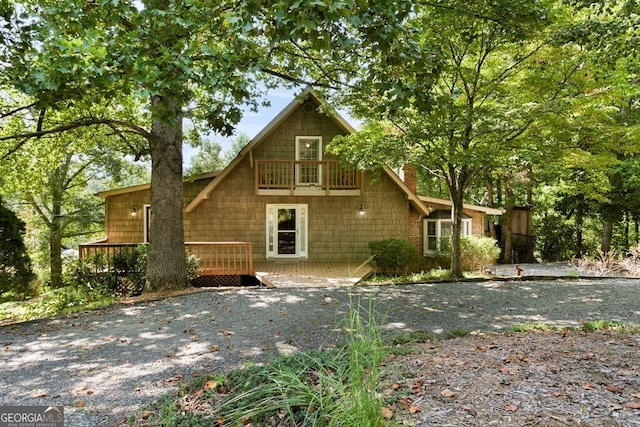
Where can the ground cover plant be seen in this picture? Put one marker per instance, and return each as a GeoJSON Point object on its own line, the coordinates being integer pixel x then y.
{"type": "Point", "coordinates": [587, 377]}
{"type": "Point", "coordinates": [95, 282]}
{"type": "Point", "coordinates": [328, 388]}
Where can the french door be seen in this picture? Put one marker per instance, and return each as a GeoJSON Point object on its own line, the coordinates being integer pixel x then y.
{"type": "Point", "coordinates": [287, 231]}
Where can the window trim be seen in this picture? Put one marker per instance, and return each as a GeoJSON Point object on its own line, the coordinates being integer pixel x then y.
{"type": "Point", "coordinates": [467, 230]}
{"type": "Point", "coordinates": [317, 138]}
{"type": "Point", "coordinates": [146, 210]}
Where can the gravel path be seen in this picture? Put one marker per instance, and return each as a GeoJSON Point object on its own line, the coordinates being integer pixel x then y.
{"type": "Point", "coordinates": [102, 365]}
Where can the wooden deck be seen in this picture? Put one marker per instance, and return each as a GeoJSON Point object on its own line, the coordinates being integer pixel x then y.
{"type": "Point", "coordinates": [294, 273]}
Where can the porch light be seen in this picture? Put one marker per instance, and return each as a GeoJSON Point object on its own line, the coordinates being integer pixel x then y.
{"type": "Point", "coordinates": [361, 210]}
{"type": "Point", "coordinates": [134, 211]}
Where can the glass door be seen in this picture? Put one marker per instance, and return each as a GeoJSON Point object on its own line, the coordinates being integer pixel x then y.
{"type": "Point", "coordinates": [287, 231]}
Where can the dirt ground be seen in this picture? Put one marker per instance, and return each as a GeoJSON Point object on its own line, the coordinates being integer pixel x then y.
{"type": "Point", "coordinates": [539, 378]}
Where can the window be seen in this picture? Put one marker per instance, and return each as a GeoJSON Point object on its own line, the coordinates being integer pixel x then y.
{"type": "Point", "coordinates": [308, 155]}
{"type": "Point", "coordinates": [438, 229]}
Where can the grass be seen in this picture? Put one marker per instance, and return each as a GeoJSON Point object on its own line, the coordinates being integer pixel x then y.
{"type": "Point", "coordinates": [338, 387]}
{"type": "Point", "coordinates": [586, 326]}
{"type": "Point", "coordinates": [425, 276]}
{"type": "Point", "coordinates": [53, 302]}
{"type": "Point", "coordinates": [329, 388]}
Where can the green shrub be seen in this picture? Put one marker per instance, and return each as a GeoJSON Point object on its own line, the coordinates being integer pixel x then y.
{"type": "Point", "coordinates": [122, 274]}
{"type": "Point", "coordinates": [393, 256]}
{"type": "Point", "coordinates": [478, 253]}
{"type": "Point", "coordinates": [15, 266]}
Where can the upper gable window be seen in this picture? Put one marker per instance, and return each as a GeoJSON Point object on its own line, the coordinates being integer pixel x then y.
{"type": "Point", "coordinates": [308, 157]}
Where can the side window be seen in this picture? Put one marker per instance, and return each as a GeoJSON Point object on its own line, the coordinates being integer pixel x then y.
{"type": "Point", "coordinates": [437, 234]}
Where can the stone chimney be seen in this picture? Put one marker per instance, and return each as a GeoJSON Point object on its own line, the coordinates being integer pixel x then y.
{"type": "Point", "coordinates": [410, 177]}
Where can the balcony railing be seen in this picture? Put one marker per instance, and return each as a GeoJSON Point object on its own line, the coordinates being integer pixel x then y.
{"type": "Point", "coordinates": [214, 258]}
{"type": "Point", "coordinates": [293, 175]}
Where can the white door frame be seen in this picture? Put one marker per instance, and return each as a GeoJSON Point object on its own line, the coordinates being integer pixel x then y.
{"type": "Point", "coordinates": [301, 227]}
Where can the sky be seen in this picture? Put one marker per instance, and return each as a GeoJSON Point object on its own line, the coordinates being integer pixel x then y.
{"type": "Point", "coordinates": [253, 122]}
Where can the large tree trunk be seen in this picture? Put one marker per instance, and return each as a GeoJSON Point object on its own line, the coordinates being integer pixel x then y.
{"type": "Point", "coordinates": [579, 223]}
{"type": "Point", "coordinates": [607, 232]}
{"type": "Point", "coordinates": [492, 226]}
{"type": "Point", "coordinates": [166, 264]}
{"type": "Point", "coordinates": [507, 255]}
{"type": "Point", "coordinates": [55, 253]}
{"type": "Point", "coordinates": [456, 193]}
{"type": "Point", "coordinates": [56, 183]}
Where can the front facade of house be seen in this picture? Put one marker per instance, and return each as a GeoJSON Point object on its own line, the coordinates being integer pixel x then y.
{"type": "Point", "coordinates": [291, 200]}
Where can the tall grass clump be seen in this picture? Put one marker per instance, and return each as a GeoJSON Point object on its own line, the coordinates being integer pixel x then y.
{"type": "Point", "coordinates": [320, 388]}
{"type": "Point", "coordinates": [365, 349]}
{"type": "Point", "coordinates": [336, 388]}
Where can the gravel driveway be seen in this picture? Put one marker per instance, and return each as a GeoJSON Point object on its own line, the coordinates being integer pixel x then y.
{"type": "Point", "coordinates": [102, 365]}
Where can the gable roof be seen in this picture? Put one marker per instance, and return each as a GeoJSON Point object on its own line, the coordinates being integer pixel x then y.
{"type": "Point", "coordinates": [147, 186]}
{"type": "Point", "coordinates": [485, 209]}
{"type": "Point", "coordinates": [307, 94]}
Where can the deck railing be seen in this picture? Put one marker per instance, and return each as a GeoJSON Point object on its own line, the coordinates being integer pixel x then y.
{"type": "Point", "coordinates": [222, 258]}
{"type": "Point", "coordinates": [304, 174]}
{"type": "Point", "coordinates": [214, 258]}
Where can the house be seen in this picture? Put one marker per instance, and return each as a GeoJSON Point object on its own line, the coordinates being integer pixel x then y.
{"type": "Point", "coordinates": [284, 198]}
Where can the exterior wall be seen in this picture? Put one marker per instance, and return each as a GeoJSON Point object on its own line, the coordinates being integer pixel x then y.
{"type": "Point", "coordinates": [233, 212]}
{"type": "Point", "coordinates": [477, 218]}
{"type": "Point", "coordinates": [122, 227]}
{"type": "Point", "coordinates": [336, 230]}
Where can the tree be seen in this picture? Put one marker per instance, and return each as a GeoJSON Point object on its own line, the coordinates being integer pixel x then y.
{"type": "Point", "coordinates": [198, 58]}
{"type": "Point", "coordinates": [15, 265]}
{"type": "Point", "coordinates": [601, 123]}
{"type": "Point", "coordinates": [56, 174]}
{"type": "Point", "coordinates": [207, 159]}
{"type": "Point", "coordinates": [479, 104]}
{"type": "Point", "coordinates": [238, 144]}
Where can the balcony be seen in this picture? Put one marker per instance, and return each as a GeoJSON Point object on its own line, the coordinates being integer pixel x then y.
{"type": "Point", "coordinates": [306, 178]}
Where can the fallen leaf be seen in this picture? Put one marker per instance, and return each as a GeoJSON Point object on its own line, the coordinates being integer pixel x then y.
{"type": "Point", "coordinates": [210, 384]}
{"type": "Point", "coordinates": [215, 348]}
{"type": "Point", "coordinates": [414, 409]}
{"type": "Point", "coordinates": [632, 405]}
{"type": "Point", "coordinates": [510, 408]}
{"type": "Point", "coordinates": [80, 404]}
{"type": "Point", "coordinates": [387, 413]}
{"type": "Point", "coordinates": [587, 386]}
{"type": "Point", "coordinates": [89, 392]}
{"type": "Point", "coordinates": [470, 410]}
{"type": "Point", "coordinates": [396, 386]}
{"type": "Point", "coordinates": [557, 394]}
{"type": "Point", "coordinates": [614, 389]}
{"type": "Point", "coordinates": [146, 414]}
{"type": "Point", "coordinates": [447, 393]}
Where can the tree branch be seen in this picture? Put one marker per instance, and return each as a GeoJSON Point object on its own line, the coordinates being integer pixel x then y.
{"type": "Point", "coordinates": [17, 110]}
{"type": "Point", "coordinates": [86, 122]}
